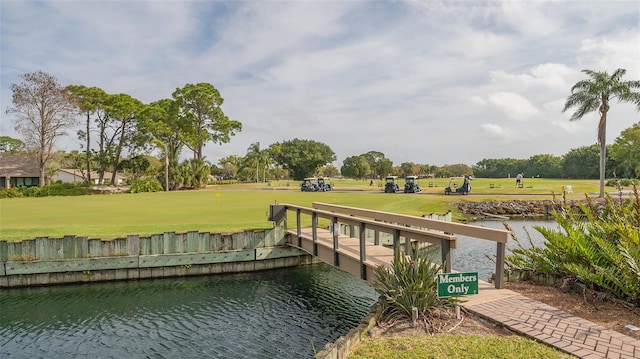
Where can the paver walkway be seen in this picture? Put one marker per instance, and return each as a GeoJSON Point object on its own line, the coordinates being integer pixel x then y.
{"type": "Point", "coordinates": [550, 325]}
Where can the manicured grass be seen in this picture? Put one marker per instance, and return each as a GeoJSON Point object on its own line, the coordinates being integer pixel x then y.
{"type": "Point", "coordinates": [226, 208]}
{"type": "Point", "coordinates": [454, 346]}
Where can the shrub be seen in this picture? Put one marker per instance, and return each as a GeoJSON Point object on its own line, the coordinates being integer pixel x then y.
{"type": "Point", "coordinates": [409, 282]}
{"type": "Point", "coordinates": [65, 189]}
{"type": "Point", "coordinates": [33, 191]}
{"type": "Point", "coordinates": [12, 192]}
{"type": "Point", "coordinates": [599, 247]}
{"type": "Point", "coordinates": [145, 185]}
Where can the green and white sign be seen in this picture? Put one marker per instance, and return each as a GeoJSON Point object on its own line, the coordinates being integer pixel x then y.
{"type": "Point", "coordinates": [457, 284]}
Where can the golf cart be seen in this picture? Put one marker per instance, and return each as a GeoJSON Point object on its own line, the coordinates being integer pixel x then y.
{"type": "Point", "coordinates": [310, 184]}
{"type": "Point", "coordinates": [324, 184]}
{"type": "Point", "coordinates": [391, 185]}
{"type": "Point", "coordinates": [464, 189]}
{"type": "Point", "coordinates": [411, 184]}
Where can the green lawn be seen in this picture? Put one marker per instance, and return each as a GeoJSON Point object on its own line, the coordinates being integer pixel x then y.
{"type": "Point", "coordinates": [232, 208]}
{"type": "Point", "coordinates": [455, 346]}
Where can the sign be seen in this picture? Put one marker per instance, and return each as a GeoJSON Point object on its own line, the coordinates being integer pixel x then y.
{"type": "Point", "coordinates": [457, 284]}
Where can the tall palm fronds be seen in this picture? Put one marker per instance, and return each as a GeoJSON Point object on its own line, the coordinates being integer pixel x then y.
{"type": "Point", "coordinates": [596, 93]}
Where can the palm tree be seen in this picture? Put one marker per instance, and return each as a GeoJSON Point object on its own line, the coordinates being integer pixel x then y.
{"type": "Point", "coordinates": [594, 94]}
{"type": "Point", "coordinates": [255, 156]}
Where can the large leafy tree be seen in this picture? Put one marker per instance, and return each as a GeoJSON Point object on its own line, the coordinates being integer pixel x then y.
{"type": "Point", "coordinates": [581, 162]}
{"type": "Point", "coordinates": [43, 111]}
{"type": "Point", "coordinates": [11, 145]}
{"type": "Point", "coordinates": [123, 112]}
{"type": "Point", "coordinates": [355, 167]}
{"type": "Point", "coordinates": [408, 168]}
{"type": "Point", "coordinates": [626, 151]}
{"type": "Point", "coordinates": [547, 166]}
{"type": "Point", "coordinates": [303, 157]}
{"type": "Point", "coordinates": [90, 101]}
{"type": "Point", "coordinates": [201, 117]}
{"type": "Point", "coordinates": [596, 94]}
{"type": "Point", "coordinates": [160, 120]}
{"type": "Point", "coordinates": [379, 164]}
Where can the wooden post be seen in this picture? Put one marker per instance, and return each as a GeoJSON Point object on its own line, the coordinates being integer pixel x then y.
{"type": "Point", "coordinates": [445, 246]}
{"type": "Point", "coordinates": [352, 230]}
{"type": "Point", "coordinates": [500, 265]}
{"type": "Point", "coordinates": [396, 240]}
{"type": "Point", "coordinates": [314, 232]}
{"type": "Point", "coordinates": [299, 228]}
{"type": "Point", "coordinates": [363, 252]}
{"type": "Point", "coordinates": [336, 233]}
{"type": "Point", "coordinates": [407, 246]}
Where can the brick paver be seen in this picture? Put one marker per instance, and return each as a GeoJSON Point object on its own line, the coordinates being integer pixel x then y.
{"type": "Point", "coordinates": [550, 325]}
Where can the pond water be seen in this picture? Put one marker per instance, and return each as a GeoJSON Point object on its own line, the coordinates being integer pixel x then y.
{"type": "Point", "coordinates": [470, 256]}
{"type": "Point", "coordinates": [283, 313]}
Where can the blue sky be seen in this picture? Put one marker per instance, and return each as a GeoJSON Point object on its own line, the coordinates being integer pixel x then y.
{"type": "Point", "coordinates": [430, 82]}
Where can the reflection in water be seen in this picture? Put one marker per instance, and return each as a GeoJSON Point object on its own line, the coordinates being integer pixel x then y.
{"type": "Point", "coordinates": [470, 256]}
{"type": "Point", "coordinates": [283, 313]}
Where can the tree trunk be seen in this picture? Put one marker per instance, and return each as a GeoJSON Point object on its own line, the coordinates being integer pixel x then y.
{"type": "Point", "coordinates": [603, 157]}
{"type": "Point", "coordinates": [88, 151]}
{"type": "Point", "coordinates": [602, 139]}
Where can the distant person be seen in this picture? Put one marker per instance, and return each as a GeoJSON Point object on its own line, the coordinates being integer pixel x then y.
{"type": "Point", "coordinates": [519, 179]}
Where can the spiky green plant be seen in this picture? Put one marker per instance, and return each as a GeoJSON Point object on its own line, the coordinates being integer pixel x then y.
{"type": "Point", "coordinates": [599, 247]}
{"type": "Point", "coordinates": [411, 281]}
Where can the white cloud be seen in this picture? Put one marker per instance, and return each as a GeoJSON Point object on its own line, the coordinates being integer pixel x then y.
{"type": "Point", "coordinates": [429, 82]}
{"type": "Point", "coordinates": [514, 106]}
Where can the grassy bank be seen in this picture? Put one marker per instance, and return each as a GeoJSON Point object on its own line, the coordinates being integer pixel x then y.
{"type": "Point", "coordinates": [454, 346]}
{"type": "Point", "coordinates": [231, 208]}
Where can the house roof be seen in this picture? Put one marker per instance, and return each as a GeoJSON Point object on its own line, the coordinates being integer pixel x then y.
{"type": "Point", "coordinates": [19, 166]}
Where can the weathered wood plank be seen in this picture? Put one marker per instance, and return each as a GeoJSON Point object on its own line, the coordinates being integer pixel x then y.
{"type": "Point", "coordinates": [68, 247]}
{"type": "Point", "coordinates": [277, 252]}
{"type": "Point", "coordinates": [180, 240]}
{"type": "Point", "coordinates": [170, 260]}
{"type": "Point", "coordinates": [193, 242]}
{"type": "Point", "coordinates": [71, 265]}
{"type": "Point", "coordinates": [121, 248]}
{"type": "Point", "coordinates": [204, 244]}
{"type": "Point", "coordinates": [169, 243]}
{"type": "Point", "coordinates": [216, 242]}
{"type": "Point", "coordinates": [145, 246]}
{"type": "Point", "coordinates": [4, 255]}
{"type": "Point", "coordinates": [82, 247]}
{"type": "Point", "coordinates": [157, 244]}
{"type": "Point", "coordinates": [95, 248]}
{"type": "Point", "coordinates": [133, 245]}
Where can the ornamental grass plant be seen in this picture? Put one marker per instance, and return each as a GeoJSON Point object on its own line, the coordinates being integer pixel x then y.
{"type": "Point", "coordinates": [410, 282]}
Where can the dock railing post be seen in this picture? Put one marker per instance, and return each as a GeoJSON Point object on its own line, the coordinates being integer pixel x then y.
{"type": "Point", "coordinates": [499, 278]}
{"type": "Point", "coordinates": [336, 233]}
{"type": "Point", "coordinates": [314, 232]}
{"type": "Point", "coordinates": [445, 246]}
{"type": "Point", "coordinates": [299, 228]}
{"type": "Point", "coordinates": [363, 253]}
{"type": "Point", "coordinates": [396, 240]}
{"type": "Point", "coordinates": [407, 246]}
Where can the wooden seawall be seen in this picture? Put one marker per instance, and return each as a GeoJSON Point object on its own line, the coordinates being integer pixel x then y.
{"type": "Point", "coordinates": [71, 259]}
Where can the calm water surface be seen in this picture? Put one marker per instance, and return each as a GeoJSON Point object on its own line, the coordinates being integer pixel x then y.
{"type": "Point", "coordinates": [284, 313]}
{"type": "Point", "coordinates": [470, 256]}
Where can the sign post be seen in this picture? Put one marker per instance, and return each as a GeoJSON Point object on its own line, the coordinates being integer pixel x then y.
{"type": "Point", "coordinates": [457, 284]}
